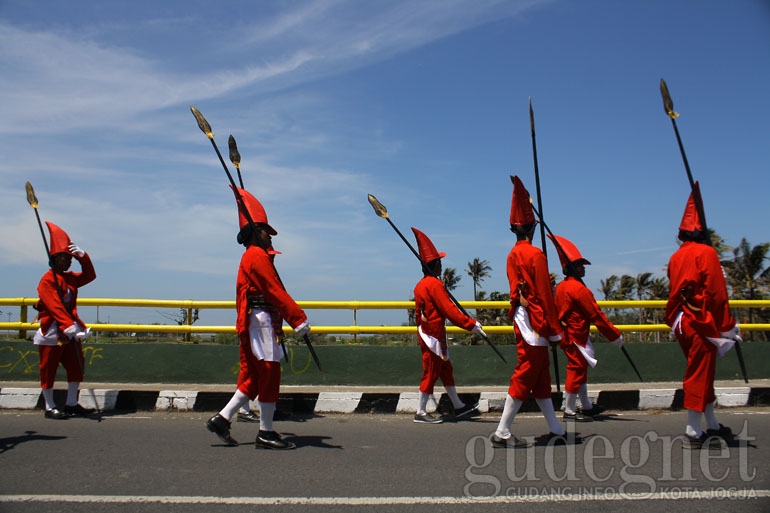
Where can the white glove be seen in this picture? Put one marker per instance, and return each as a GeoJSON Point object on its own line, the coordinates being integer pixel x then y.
{"type": "Point", "coordinates": [81, 335]}
{"type": "Point", "coordinates": [71, 332]}
{"type": "Point", "coordinates": [477, 329]}
{"type": "Point", "coordinates": [618, 342]}
{"type": "Point", "coordinates": [76, 251]}
{"type": "Point", "coordinates": [303, 329]}
{"type": "Point", "coordinates": [733, 334]}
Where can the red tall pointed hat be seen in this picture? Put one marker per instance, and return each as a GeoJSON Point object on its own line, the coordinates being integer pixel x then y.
{"type": "Point", "coordinates": [567, 251]}
{"type": "Point", "coordinates": [691, 221]}
{"type": "Point", "coordinates": [427, 250]}
{"type": "Point", "coordinates": [521, 208]}
{"type": "Point", "coordinates": [255, 208]}
{"type": "Point", "coordinates": [60, 241]}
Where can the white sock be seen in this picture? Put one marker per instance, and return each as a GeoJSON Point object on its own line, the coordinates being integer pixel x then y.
{"type": "Point", "coordinates": [72, 393]}
{"type": "Point", "coordinates": [266, 413]}
{"type": "Point", "coordinates": [48, 397]}
{"type": "Point", "coordinates": [694, 423]}
{"type": "Point", "coordinates": [422, 403]}
{"type": "Point", "coordinates": [711, 418]}
{"type": "Point", "coordinates": [510, 410]}
{"type": "Point", "coordinates": [584, 401]}
{"type": "Point", "coordinates": [546, 406]}
{"type": "Point", "coordinates": [452, 393]}
{"type": "Point", "coordinates": [236, 401]}
{"type": "Point", "coordinates": [570, 401]}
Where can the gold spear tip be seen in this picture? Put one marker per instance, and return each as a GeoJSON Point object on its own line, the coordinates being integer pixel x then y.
{"type": "Point", "coordinates": [202, 123]}
{"type": "Point", "coordinates": [31, 198]}
{"type": "Point", "coordinates": [668, 103]}
{"type": "Point", "coordinates": [378, 207]}
{"type": "Point", "coordinates": [235, 157]}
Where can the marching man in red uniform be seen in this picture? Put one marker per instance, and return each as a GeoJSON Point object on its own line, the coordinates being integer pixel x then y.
{"type": "Point", "coordinates": [61, 330]}
{"type": "Point", "coordinates": [700, 319]}
{"type": "Point", "coordinates": [245, 413]}
{"type": "Point", "coordinates": [535, 321]}
{"type": "Point", "coordinates": [577, 311]}
{"type": "Point", "coordinates": [262, 304]}
{"type": "Point", "coordinates": [433, 307]}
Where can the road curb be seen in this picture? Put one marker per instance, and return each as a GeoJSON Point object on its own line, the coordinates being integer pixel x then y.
{"type": "Point", "coordinates": [191, 399]}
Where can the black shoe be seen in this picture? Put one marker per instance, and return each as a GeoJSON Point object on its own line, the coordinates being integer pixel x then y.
{"type": "Point", "coordinates": [505, 443]}
{"type": "Point", "coordinates": [249, 416]}
{"type": "Point", "coordinates": [272, 440]}
{"type": "Point", "coordinates": [221, 427]}
{"type": "Point", "coordinates": [469, 411]}
{"type": "Point", "coordinates": [554, 439]}
{"type": "Point", "coordinates": [704, 440]}
{"type": "Point", "coordinates": [594, 410]}
{"type": "Point", "coordinates": [78, 411]}
{"type": "Point", "coordinates": [54, 413]}
{"type": "Point", "coordinates": [577, 417]}
{"type": "Point", "coordinates": [723, 432]}
{"type": "Point", "coordinates": [427, 418]}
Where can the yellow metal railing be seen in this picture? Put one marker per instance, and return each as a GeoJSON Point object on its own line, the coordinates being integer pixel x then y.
{"type": "Point", "coordinates": [24, 323]}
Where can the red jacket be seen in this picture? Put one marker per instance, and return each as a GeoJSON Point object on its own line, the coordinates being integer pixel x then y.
{"type": "Point", "coordinates": [530, 282]}
{"type": "Point", "coordinates": [62, 309]}
{"type": "Point", "coordinates": [695, 276]}
{"type": "Point", "coordinates": [433, 307]}
{"type": "Point", "coordinates": [578, 310]}
{"type": "Point", "coordinates": [257, 277]}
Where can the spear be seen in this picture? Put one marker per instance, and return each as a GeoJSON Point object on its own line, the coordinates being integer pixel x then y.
{"type": "Point", "coordinates": [235, 157]}
{"type": "Point", "coordinates": [668, 107]}
{"type": "Point", "coordinates": [559, 249]}
{"type": "Point", "coordinates": [206, 129]}
{"type": "Point", "coordinates": [33, 202]}
{"type": "Point", "coordinates": [382, 212]}
{"type": "Point", "coordinates": [542, 227]}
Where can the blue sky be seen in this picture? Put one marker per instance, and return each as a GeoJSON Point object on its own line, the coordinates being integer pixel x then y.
{"type": "Point", "coordinates": [422, 103]}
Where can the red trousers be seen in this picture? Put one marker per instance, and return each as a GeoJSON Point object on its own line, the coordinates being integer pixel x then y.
{"type": "Point", "coordinates": [531, 374]}
{"type": "Point", "coordinates": [433, 369]}
{"type": "Point", "coordinates": [577, 369]}
{"type": "Point", "coordinates": [70, 355]}
{"type": "Point", "coordinates": [258, 378]}
{"type": "Point", "coordinates": [698, 382]}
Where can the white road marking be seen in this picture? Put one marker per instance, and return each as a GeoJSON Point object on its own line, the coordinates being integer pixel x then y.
{"type": "Point", "coordinates": [723, 494]}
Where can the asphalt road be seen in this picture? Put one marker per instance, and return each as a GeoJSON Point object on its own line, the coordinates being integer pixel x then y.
{"type": "Point", "coordinates": [152, 462]}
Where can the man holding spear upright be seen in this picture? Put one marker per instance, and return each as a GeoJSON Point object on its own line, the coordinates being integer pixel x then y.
{"type": "Point", "coordinates": [699, 315]}
{"type": "Point", "coordinates": [535, 322]}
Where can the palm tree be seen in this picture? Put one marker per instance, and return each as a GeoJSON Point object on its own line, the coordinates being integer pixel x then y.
{"type": "Point", "coordinates": [746, 272]}
{"type": "Point", "coordinates": [659, 289]}
{"type": "Point", "coordinates": [626, 288]}
{"type": "Point", "coordinates": [608, 287]}
{"type": "Point", "coordinates": [450, 278]}
{"type": "Point", "coordinates": [643, 282]}
{"type": "Point", "coordinates": [718, 243]}
{"type": "Point", "coordinates": [478, 270]}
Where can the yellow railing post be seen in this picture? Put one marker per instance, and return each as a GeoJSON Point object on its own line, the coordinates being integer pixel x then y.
{"type": "Point", "coordinates": [188, 335]}
{"type": "Point", "coordinates": [23, 318]}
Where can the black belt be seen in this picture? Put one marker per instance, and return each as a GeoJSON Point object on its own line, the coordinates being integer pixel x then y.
{"type": "Point", "coordinates": [258, 302]}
